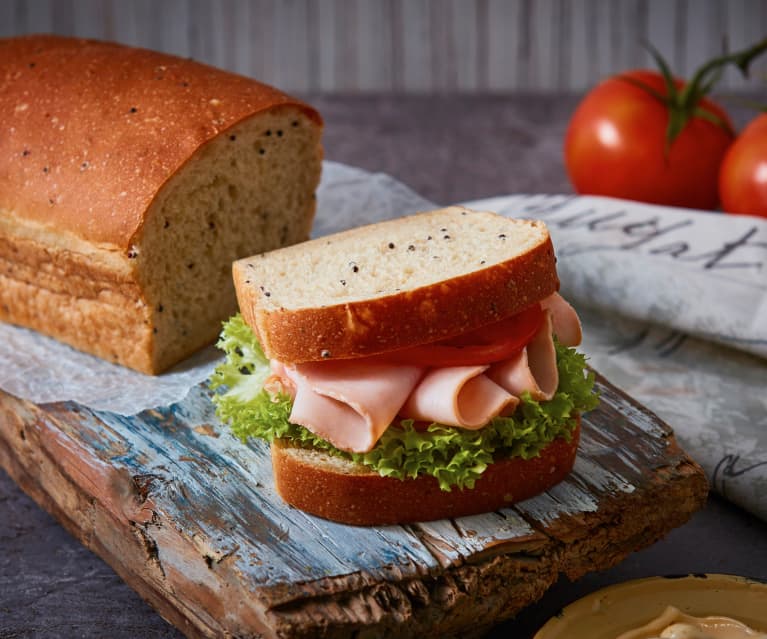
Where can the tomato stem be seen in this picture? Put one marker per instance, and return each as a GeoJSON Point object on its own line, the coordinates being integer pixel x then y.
{"type": "Point", "coordinates": [741, 59]}
{"type": "Point", "coordinates": [685, 104]}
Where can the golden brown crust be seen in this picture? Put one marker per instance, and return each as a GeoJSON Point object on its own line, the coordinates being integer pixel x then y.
{"type": "Point", "coordinates": [448, 308]}
{"type": "Point", "coordinates": [107, 125]}
{"type": "Point", "coordinates": [368, 499]}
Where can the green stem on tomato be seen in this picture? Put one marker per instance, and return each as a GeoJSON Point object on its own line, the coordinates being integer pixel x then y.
{"type": "Point", "coordinates": [685, 104]}
{"type": "Point", "coordinates": [741, 59]}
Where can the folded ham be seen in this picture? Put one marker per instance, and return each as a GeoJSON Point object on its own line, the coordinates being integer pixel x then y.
{"type": "Point", "coordinates": [350, 403]}
{"type": "Point", "coordinates": [534, 369]}
{"type": "Point", "coordinates": [458, 396]}
{"type": "Point", "coordinates": [567, 325]}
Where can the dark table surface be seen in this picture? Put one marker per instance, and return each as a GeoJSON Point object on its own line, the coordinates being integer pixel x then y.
{"type": "Point", "coordinates": [449, 149]}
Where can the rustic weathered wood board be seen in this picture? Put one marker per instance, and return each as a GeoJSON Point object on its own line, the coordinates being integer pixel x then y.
{"type": "Point", "coordinates": [188, 516]}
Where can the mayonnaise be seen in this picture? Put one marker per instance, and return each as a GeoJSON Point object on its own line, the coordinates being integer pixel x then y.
{"type": "Point", "coordinates": [674, 624]}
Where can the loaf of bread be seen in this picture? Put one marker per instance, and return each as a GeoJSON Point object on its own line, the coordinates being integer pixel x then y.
{"type": "Point", "coordinates": [129, 182]}
{"type": "Point", "coordinates": [394, 284]}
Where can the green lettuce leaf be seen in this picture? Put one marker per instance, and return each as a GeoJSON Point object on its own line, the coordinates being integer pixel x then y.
{"type": "Point", "coordinates": [455, 456]}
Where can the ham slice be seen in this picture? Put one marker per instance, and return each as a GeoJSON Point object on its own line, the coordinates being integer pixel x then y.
{"type": "Point", "coordinates": [534, 369]}
{"type": "Point", "coordinates": [567, 325]}
{"type": "Point", "coordinates": [350, 403]}
{"type": "Point", "coordinates": [278, 382]}
{"type": "Point", "coordinates": [458, 396]}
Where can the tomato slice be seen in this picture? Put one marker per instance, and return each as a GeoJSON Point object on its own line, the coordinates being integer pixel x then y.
{"type": "Point", "coordinates": [492, 343]}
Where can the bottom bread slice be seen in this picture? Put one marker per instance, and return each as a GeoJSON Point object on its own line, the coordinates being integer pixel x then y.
{"type": "Point", "coordinates": [335, 488]}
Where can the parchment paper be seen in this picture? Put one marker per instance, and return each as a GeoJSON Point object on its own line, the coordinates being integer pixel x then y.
{"type": "Point", "coordinates": [673, 302]}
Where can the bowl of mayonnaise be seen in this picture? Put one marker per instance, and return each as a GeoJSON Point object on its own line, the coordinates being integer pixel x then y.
{"type": "Point", "coordinates": [702, 606]}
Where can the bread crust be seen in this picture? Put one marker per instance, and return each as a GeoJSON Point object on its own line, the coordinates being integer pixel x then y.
{"type": "Point", "coordinates": [365, 498]}
{"type": "Point", "coordinates": [107, 125]}
{"type": "Point", "coordinates": [445, 309]}
{"type": "Point", "coordinates": [100, 136]}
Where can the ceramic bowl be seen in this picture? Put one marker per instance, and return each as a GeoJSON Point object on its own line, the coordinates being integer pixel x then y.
{"type": "Point", "coordinates": [607, 613]}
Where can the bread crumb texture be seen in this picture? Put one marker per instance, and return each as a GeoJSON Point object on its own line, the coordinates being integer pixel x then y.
{"type": "Point", "coordinates": [249, 190]}
{"type": "Point", "coordinates": [389, 258]}
{"type": "Point", "coordinates": [129, 182]}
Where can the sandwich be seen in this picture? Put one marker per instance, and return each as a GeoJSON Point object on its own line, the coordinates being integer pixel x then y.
{"type": "Point", "coordinates": [409, 370]}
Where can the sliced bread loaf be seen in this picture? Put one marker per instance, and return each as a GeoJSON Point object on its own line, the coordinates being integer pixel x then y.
{"type": "Point", "coordinates": [398, 283]}
{"type": "Point", "coordinates": [129, 182]}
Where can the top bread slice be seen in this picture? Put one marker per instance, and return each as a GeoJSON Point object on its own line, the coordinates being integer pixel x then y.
{"type": "Point", "coordinates": [399, 283]}
{"type": "Point", "coordinates": [129, 182]}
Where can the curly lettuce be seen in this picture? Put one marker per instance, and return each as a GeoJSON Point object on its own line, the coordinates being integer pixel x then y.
{"type": "Point", "coordinates": [456, 457]}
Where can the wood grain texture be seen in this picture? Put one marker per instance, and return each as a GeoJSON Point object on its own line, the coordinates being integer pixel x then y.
{"type": "Point", "coordinates": [413, 45]}
{"type": "Point", "coordinates": [189, 518]}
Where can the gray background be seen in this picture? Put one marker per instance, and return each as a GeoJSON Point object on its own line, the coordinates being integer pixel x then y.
{"type": "Point", "coordinates": [412, 45]}
{"type": "Point", "coordinates": [534, 57]}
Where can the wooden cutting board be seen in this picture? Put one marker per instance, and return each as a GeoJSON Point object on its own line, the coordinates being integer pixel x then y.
{"type": "Point", "coordinates": [188, 516]}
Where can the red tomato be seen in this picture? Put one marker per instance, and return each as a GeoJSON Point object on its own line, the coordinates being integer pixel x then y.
{"type": "Point", "coordinates": [616, 146]}
{"type": "Point", "coordinates": [743, 175]}
{"type": "Point", "coordinates": [491, 343]}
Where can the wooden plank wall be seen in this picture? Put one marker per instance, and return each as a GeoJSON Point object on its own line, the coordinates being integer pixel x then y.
{"type": "Point", "coordinates": [413, 45]}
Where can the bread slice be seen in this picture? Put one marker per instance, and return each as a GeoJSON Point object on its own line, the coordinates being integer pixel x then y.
{"type": "Point", "coordinates": [336, 488]}
{"type": "Point", "coordinates": [398, 283]}
{"type": "Point", "coordinates": [130, 181]}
